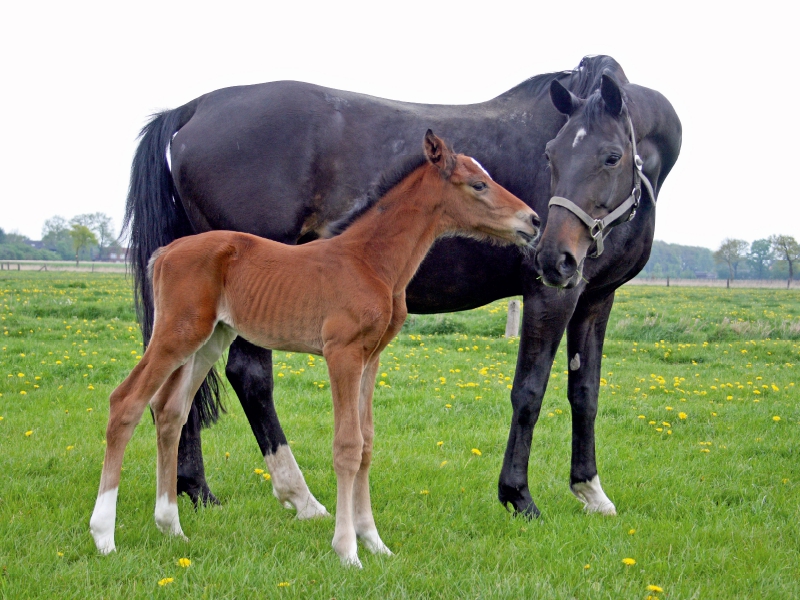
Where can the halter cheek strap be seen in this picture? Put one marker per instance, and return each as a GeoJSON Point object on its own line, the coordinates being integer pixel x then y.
{"type": "Point", "coordinates": [600, 228]}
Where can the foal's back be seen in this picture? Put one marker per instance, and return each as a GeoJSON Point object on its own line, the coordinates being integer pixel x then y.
{"type": "Point", "coordinates": [274, 295]}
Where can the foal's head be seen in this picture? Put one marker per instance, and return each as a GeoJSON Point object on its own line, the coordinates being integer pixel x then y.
{"type": "Point", "coordinates": [474, 204]}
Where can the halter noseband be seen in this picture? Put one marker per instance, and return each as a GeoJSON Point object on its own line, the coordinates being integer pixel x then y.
{"type": "Point", "coordinates": [600, 228]}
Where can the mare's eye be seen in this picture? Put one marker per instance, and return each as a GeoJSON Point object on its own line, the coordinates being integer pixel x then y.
{"type": "Point", "coordinates": [478, 186]}
{"type": "Point", "coordinates": [612, 159]}
{"type": "Point", "coordinates": [547, 156]}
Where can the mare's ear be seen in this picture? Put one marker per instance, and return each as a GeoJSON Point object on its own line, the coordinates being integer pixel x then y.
{"type": "Point", "coordinates": [611, 94]}
{"type": "Point", "coordinates": [565, 101]}
{"type": "Point", "coordinates": [438, 154]}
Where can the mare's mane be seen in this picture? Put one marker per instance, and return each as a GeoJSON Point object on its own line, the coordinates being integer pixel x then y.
{"type": "Point", "coordinates": [388, 180]}
{"type": "Point", "coordinates": [581, 81]}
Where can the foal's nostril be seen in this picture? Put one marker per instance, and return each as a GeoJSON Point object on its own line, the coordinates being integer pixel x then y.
{"type": "Point", "coordinates": [536, 221]}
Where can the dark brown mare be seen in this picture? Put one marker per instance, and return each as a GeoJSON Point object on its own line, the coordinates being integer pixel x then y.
{"type": "Point", "coordinates": [280, 160]}
{"type": "Point", "coordinates": [343, 298]}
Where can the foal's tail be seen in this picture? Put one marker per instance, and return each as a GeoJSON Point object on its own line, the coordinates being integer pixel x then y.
{"type": "Point", "coordinates": [154, 217]}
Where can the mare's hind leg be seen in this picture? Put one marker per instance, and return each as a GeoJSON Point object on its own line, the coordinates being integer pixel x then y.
{"type": "Point", "coordinates": [171, 408]}
{"type": "Point", "coordinates": [585, 335]}
{"type": "Point", "coordinates": [249, 370]}
{"type": "Point", "coordinates": [127, 403]}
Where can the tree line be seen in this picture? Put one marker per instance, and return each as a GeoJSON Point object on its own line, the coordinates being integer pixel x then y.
{"type": "Point", "coordinates": [775, 257]}
{"type": "Point", "coordinates": [88, 236]}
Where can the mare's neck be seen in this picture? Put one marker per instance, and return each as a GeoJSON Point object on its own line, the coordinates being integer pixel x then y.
{"type": "Point", "coordinates": [394, 236]}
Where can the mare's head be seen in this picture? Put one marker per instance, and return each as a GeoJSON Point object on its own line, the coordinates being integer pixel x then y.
{"type": "Point", "coordinates": [474, 204]}
{"type": "Point", "coordinates": [592, 167]}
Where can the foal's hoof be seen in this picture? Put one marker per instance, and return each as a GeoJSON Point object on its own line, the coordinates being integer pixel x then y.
{"type": "Point", "coordinates": [105, 544]}
{"type": "Point", "coordinates": [351, 561]}
{"type": "Point", "coordinates": [311, 509]}
{"type": "Point", "coordinates": [373, 542]}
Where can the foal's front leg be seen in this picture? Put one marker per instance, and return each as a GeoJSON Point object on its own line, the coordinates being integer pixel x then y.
{"type": "Point", "coordinates": [345, 367]}
{"type": "Point", "coordinates": [365, 527]}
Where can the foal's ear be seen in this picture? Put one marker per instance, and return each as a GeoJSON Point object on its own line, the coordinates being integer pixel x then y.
{"type": "Point", "coordinates": [565, 101]}
{"type": "Point", "coordinates": [611, 94]}
{"type": "Point", "coordinates": [438, 154]}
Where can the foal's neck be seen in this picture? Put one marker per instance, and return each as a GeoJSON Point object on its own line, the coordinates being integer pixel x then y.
{"type": "Point", "coordinates": [394, 236]}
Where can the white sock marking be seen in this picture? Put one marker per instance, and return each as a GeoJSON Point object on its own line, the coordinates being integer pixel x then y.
{"type": "Point", "coordinates": [289, 486]}
{"type": "Point", "coordinates": [593, 497]}
{"type": "Point", "coordinates": [103, 519]}
{"type": "Point", "coordinates": [166, 515]}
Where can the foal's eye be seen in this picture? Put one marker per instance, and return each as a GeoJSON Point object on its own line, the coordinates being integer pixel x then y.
{"type": "Point", "coordinates": [479, 186]}
{"type": "Point", "coordinates": [612, 159]}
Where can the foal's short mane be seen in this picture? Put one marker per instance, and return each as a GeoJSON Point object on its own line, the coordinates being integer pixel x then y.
{"type": "Point", "coordinates": [387, 181]}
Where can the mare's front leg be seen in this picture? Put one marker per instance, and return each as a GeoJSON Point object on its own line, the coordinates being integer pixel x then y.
{"type": "Point", "coordinates": [546, 312]}
{"type": "Point", "coordinates": [249, 370]}
{"type": "Point", "coordinates": [585, 336]}
{"type": "Point", "coordinates": [345, 367]}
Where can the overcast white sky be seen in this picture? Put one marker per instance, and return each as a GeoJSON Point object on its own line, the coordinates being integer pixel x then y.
{"type": "Point", "coordinates": [81, 78]}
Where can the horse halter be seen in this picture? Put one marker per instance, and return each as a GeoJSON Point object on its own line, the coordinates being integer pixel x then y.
{"type": "Point", "coordinates": [600, 228]}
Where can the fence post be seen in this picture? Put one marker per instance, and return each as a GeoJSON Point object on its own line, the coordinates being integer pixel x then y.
{"type": "Point", "coordinates": [512, 323]}
{"type": "Point", "coordinates": [667, 281]}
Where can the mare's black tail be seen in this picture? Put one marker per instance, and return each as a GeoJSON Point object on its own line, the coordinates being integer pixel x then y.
{"type": "Point", "coordinates": [154, 216]}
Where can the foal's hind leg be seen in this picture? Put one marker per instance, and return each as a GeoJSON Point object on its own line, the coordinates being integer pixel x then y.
{"type": "Point", "coordinates": [127, 404]}
{"type": "Point", "coordinates": [171, 408]}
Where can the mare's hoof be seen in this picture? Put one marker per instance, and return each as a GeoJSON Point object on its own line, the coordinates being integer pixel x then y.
{"type": "Point", "coordinates": [593, 497]}
{"type": "Point", "coordinates": [198, 493]}
{"type": "Point", "coordinates": [520, 500]}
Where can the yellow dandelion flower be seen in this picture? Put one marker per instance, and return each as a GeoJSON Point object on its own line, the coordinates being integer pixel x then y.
{"type": "Point", "coordinates": [444, 462]}
{"type": "Point", "coordinates": [184, 562]}
{"type": "Point", "coordinates": [165, 581]}
{"type": "Point", "coordinates": [440, 443]}
{"type": "Point", "coordinates": [448, 406]}
{"type": "Point", "coordinates": [258, 471]}
{"type": "Point", "coordinates": [424, 492]}
{"type": "Point", "coordinates": [587, 566]}
{"type": "Point", "coordinates": [284, 584]}
{"type": "Point", "coordinates": [267, 476]}
{"type": "Point", "coordinates": [23, 392]}
{"type": "Point", "coordinates": [70, 447]}
{"type": "Point", "coordinates": [669, 408]}
{"type": "Point", "coordinates": [227, 455]}
{"type": "Point", "coordinates": [776, 418]}
{"type": "Point", "coordinates": [654, 588]}
{"type": "Point", "coordinates": [29, 433]}
{"type": "Point", "coordinates": [631, 532]}
{"type": "Point", "coordinates": [476, 452]}
{"type": "Point", "coordinates": [628, 562]}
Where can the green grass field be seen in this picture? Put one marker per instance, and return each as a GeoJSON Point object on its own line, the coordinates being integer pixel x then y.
{"type": "Point", "coordinates": [697, 446]}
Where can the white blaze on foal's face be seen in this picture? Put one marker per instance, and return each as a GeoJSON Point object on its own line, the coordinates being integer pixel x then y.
{"type": "Point", "coordinates": [477, 164]}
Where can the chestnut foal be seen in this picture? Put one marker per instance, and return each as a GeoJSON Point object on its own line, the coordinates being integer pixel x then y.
{"type": "Point", "coordinates": [343, 298]}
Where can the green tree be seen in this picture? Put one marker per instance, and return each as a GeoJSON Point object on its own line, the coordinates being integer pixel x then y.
{"type": "Point", "coordinates": [82, 237]}
{"type": "Point", "coordinates": [786, 249]}
{"type": "Point", "coordinates": [760, 257]}
{"type": "Point", "coordinates": [731, 252]}
{"type": "Point", "coordinates": [2, 236]}
{"type": "Point", "coordinates": [56, 236]}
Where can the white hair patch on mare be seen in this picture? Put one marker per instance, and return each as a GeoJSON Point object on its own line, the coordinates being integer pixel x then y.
{"type": "Point", "coordinates": [579, 136]}
{"type": "Point", "coordinates": [593, 497]}
{"type": "Point", "coordinates": [477, 164]}
{"type": "Point", "coordinates": [575, 363]}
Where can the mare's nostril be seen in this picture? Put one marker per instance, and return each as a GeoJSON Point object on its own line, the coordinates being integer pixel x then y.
{"type": "Point", "coordinates": [566, 265]}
